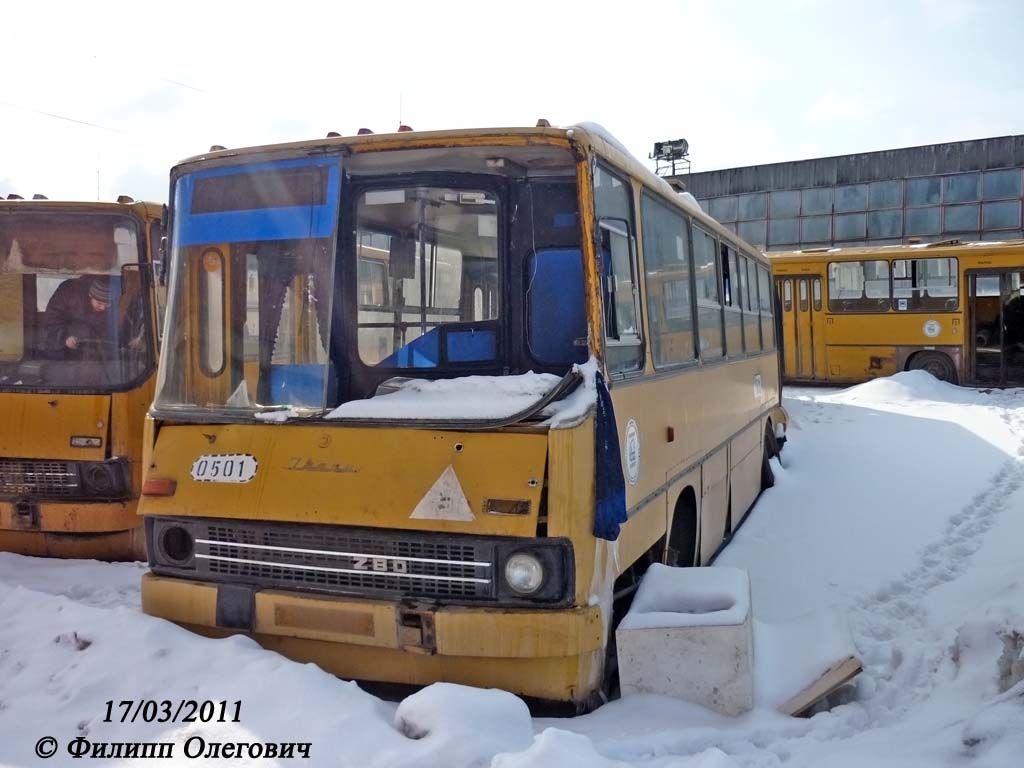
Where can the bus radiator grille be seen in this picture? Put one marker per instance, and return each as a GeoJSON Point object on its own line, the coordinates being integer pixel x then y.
{"type": "Point", "coordinates": [351, 561]}
{"type": "Point", "coordinates": [37, 478]}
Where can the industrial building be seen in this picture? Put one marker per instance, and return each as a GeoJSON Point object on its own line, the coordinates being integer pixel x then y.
{"type": "Point", "coordinates": [967, 190]}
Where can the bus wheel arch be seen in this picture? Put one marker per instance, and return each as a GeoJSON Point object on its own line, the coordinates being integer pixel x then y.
{"type": "Point", "coordinates": [938, 364]}
{"type": "Point", "coordinates": [683, 537]}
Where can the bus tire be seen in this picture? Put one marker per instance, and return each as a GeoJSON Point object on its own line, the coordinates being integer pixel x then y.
{"type": "Point", "coordinates": [770, 449]}
{"type": "Point", "coordinates": [682, 540]}
{"type": "Point", "coordinates": [938, 364]}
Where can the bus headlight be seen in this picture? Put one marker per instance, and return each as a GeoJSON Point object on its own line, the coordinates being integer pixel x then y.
{"type": "Point", "coordinates": [177, 544]}
{"type": "Point", "coordinates": [524, 573]}
{"type": "Point", "coordinates": [109, 480]}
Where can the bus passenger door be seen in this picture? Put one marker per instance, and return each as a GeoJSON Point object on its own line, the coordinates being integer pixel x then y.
{"type": "Point", "coordinates": [997, 328]}
{"type": "Point", "coordinates": [820, 371]}
{"type": "Point", "coordinates": [803, 343]}
{"type": "Point", "coordinates": [789, 336]}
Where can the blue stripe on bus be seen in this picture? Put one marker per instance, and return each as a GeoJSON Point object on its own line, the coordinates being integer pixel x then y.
{"type": "Point", "coordinates": [292, 223]}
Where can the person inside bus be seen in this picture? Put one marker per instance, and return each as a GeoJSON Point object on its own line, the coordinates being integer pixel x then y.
{"type": "Point", "coordinates": [80, 321]}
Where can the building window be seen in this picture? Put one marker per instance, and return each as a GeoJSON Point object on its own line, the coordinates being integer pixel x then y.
{"type": "Point", "coordinates": [816, 229]}
{"type": "Point", "coordinates": [998, 185]}
{"type": "Point", "coordinates": [923, 221]}
{"type": "Point", "coordinates": [885, 194]}
{"type": "Point", "coordinates": [1005, 215]}
{"type": "Point", "coordinates": [850, 226]}
{"type": "Point", "coordinates": [960, 218]}
{"type": "Point", "coordinates": [784, 231]}
{"type": "Point", "coordinates": [724, 208]}
{"type": "Point", "coordinates": [753, 206]}
{"type": "Point", "coordinates": [754, 232]}
{"type": "Point", "coordinates": [851, 198]}
{"type": "Point", "coordinates": [785, 204]}
{"type": "Point", "coordinates": [885, 223]}
{"type": "Point", "coordinates": [816, 201]}
{"type": "Point", "coordinates": [962, 188]}
{"type": "Point", "coordinates": [927, 191]}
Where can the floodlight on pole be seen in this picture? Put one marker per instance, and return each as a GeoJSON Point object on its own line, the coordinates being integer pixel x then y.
{"type": "Point", "coordinates": [670, 155]}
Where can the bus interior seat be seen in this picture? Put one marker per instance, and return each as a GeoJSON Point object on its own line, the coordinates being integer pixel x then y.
{"type": "Point", "coordinates": [462, 343]}
{"type": "Point", "coordinates": [557, 315]}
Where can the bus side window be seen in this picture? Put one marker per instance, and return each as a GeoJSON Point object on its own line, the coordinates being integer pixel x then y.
{"type": "Point", "coordinates": [669, 288]}
{"type": "Point", "coordinates": [764, 295]}
{"type": "Point", "coordinates": [613, 205]}
{"type": "Point", "coordinates": [709, 307]}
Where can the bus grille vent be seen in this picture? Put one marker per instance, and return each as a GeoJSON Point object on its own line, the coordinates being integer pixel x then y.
{"type": "Point", "coordinates": [359, 562]}
{"type": "Point", "coordinates": [45, 479]}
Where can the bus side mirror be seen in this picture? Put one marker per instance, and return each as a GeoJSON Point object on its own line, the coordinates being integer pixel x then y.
{"type": "Point", "coordinates": [161, 263]}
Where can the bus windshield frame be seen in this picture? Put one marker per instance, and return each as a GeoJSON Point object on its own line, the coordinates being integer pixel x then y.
{"type": "Point", "coordinates": [75, 302]}
{"type": "Point", "coordinates": [356, 291]}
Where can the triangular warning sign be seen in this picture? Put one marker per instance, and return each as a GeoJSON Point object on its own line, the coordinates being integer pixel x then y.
{"type": "Point", "coordinates": [444, 501]}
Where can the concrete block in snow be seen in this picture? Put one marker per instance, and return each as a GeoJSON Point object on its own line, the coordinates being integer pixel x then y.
{"type": "Point", "coordinates": [688, 635]}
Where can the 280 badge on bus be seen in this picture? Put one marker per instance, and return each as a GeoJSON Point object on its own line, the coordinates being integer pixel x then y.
{"type": "Point", "coordinates": [224, 468]}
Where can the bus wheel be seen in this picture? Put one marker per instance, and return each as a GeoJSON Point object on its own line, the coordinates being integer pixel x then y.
{"type": "Point", "coordinates": [771, 448]}
{"type": "Point", "coordinates": [682, 540]}
{"type": "Point", "coordinates": [938, 364]}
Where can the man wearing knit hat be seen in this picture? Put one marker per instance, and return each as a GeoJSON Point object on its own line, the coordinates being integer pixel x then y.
{"type": "Point", "coordinates": [78, 315]}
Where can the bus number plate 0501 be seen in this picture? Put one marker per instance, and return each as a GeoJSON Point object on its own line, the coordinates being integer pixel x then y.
{"type": "Point", "coordinates": [224, 468]}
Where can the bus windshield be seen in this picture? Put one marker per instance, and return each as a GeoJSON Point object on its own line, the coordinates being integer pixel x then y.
{"type": "Point", "coordinates": [428, 277]}
{"type": "Point", "coordinates": [297, 288]}
{"type": "Point", "coordinates": [251, 292]}
{"type": "Point", "coordinates": [73, 314]}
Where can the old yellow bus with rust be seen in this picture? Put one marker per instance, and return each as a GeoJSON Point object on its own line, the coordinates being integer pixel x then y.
{"type": "Point", "coordinates": [429, 402]}
{"type": "Point", "coordinates": [78, 340]}
{"type": "Point", "coordinates": [950, 308]}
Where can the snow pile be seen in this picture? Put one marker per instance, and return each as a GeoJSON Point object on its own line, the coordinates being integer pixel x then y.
{"type": "Point", "coordinates": [468, 397]}
{"type": "Point", "coordinates": [458, 725]}
{"type": "Point", "coordinates": [897, 510]}
{"type": "Point", "coordinates": [478, 397]}
{"type": "Point", "coordinates": [689, 597]}
{"type": "Point", "coordinates": [791, 655]}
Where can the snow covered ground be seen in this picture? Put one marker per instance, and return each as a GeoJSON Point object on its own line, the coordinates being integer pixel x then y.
{"type": "Point", "coordinates": [900, 505]}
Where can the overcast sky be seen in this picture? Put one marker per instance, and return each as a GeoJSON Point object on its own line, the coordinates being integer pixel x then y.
{"type": "Point", "coordinates": [101, 98]}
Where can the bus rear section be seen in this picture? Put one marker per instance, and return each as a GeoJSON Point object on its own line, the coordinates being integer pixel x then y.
{"type": "Point", "coordinates": [949, 308]}
{"type": "Point", "coordinates": [394, 373]}
{"type": "Point", "coordinates": [77, 363]}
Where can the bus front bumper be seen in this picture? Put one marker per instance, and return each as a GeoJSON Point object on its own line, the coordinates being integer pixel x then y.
{"type": "Point", "coordinates": [548, 654]}
{"type": "Point", "coordinates": [91, 530]}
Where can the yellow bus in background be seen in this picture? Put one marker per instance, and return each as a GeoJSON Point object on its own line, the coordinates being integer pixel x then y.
{"type": "Point", "coordinates": [950, 308]}
{"type": "Point", "coordinates": [429, 402]}
{"type": "Point", "coordinates": [78, 340]}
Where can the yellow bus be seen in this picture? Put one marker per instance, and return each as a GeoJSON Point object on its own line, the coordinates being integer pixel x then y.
{"type": "Point", "coordinates": [491, 375]}
{"type": "Point", "coordinates": [953, 309]}
{"type": "Point", "coordinates": [78, 340]}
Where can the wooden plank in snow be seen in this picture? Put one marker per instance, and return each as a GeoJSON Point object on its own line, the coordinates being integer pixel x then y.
{"type": "Point", "coordinates": [834, 677]}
